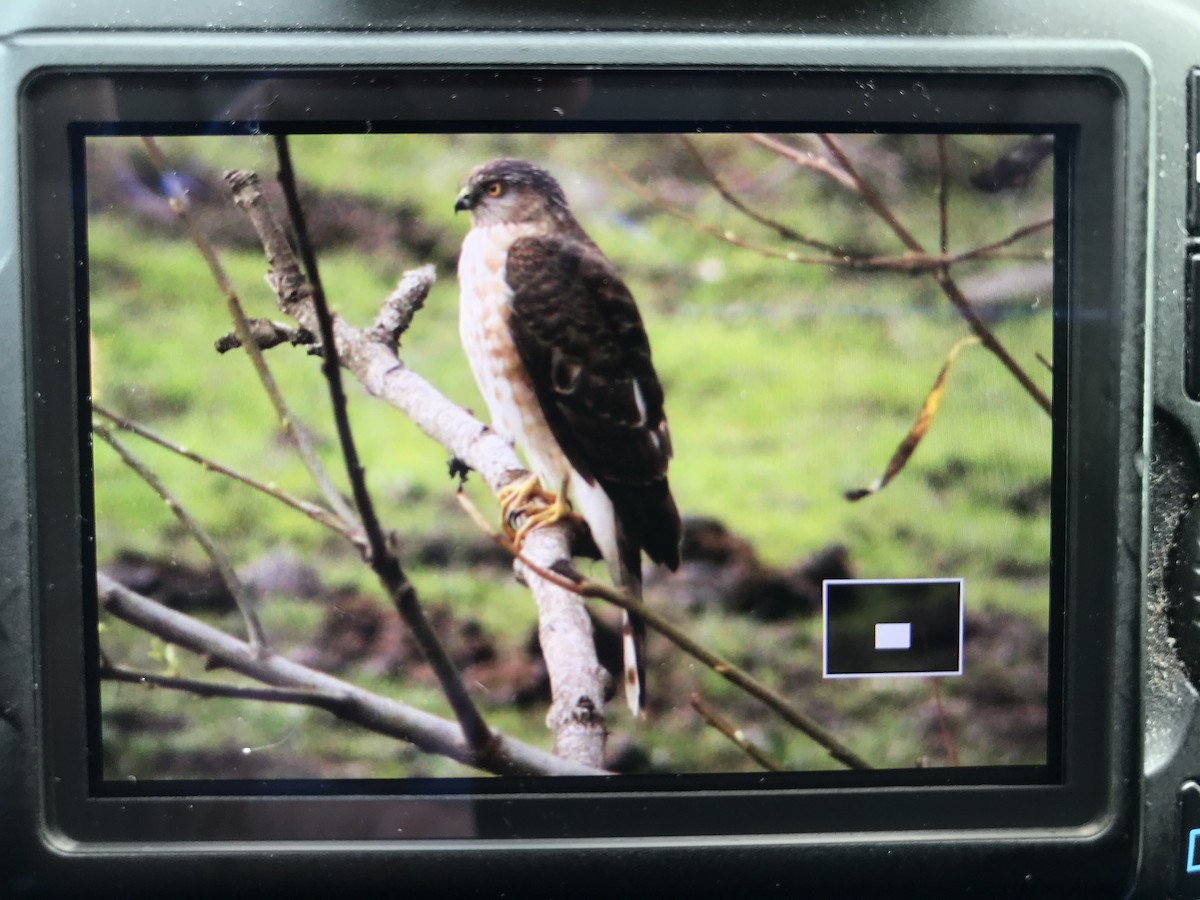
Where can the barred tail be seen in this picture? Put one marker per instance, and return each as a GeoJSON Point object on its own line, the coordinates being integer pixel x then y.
{"type": "Point", "coordinates": [633, 639]}
{"type": "Point", "coordinates": [616, 522]}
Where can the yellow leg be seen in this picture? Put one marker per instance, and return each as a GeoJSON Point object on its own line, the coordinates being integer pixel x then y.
{"type": "Point", "coordinates": [517, 499]}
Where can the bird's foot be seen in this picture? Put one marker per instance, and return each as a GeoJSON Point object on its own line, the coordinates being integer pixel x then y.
{"type": "Point", "coordinates": [538, 506]}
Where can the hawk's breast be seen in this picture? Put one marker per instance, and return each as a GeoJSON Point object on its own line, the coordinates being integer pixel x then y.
{"type": "Point", "coordinates": [485, 305]}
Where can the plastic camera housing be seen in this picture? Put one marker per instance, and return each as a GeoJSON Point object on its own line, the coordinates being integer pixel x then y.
{"type": "Point", "coordinates": [1115, 810]}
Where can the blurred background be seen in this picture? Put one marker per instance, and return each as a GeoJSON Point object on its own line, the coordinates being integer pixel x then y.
{"type": "Point", "coordinates": [788, 383]}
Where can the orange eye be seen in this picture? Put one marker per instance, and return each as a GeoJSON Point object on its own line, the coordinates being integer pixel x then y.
{"type": "Point", "coordinates": [495, 189]}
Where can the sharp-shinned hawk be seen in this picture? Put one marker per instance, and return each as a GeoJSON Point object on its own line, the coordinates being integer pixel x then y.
{"type": "Point", "coordinates": [558, 348]}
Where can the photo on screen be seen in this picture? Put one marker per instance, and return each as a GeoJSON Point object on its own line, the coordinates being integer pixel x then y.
{"type": "Point", "coordinates": [850, 358]}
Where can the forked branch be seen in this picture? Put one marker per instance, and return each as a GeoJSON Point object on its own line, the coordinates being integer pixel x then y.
{"type": "Point", "coordinates": [577, 679]}
{"type": "Point", "coordinates": [382, 715]}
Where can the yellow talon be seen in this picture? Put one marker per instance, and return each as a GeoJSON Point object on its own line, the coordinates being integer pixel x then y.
{"type": "Point", "coordinates": [558, 509]}
{"type": "Point", "coordinates": [516, 499]}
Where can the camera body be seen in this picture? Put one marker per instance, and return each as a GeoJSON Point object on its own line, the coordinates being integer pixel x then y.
{"type": "Point", "coordinates": [1121, 814]}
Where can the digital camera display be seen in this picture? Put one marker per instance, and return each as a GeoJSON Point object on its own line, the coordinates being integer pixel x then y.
{"type": "Point", "coordinates": [788, 390]}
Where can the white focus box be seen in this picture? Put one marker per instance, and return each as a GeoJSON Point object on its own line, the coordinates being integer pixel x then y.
{"type": "Point", "coordinates": [893, 635]}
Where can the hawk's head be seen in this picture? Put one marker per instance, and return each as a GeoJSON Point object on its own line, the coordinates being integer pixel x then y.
{"type": "Point", "coordinates": [506, 191]}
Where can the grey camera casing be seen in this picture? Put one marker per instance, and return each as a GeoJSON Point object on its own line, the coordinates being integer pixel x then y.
{"type": "Point", "coordinates": [1130, 846]}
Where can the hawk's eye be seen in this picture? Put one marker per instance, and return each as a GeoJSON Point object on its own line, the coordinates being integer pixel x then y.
{"type": "Point", "coordinates": [495, 188]}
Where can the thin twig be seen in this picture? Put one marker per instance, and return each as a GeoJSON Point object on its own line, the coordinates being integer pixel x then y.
{"type": "Point", "coordinates": [943, 196]}
{"type": "Point", "coordinates": [242, 329]}
{"type": "Point", "coordinates": [725, 234]}
{"type": "Point", "coordinates": [944, 723]}
{"type": "Point", "coordinates": [805, 159]}
{"type": "Point", "coordinates": [317, 513]}
{"type": "Point", "coordinates": [334, 703]}
{"type": "Point", "coordinates": [870, 195]}
{"type": "Point", "coordinates": [382, 715]}
{"type": "Point", "coordinates": [940, 274]}
{"type": "Point", "coordinates": [385, 563]}
{"type": "Point", "coordinates": [268, 334]}
{"type": "Point", "coordinates": [735, 734]}
{"type": "Point", "coordinates": [991, 251]}
{"type": "Point", "coordinates": [240, 593]}
{"type": "Point", "coordinates": [907, 263]}
{"type": "Point", "coordinates": [567, 578]}
{"type": "Point", "coordinates": [784, 231]}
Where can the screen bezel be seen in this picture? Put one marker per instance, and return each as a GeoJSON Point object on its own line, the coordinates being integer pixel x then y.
{"type": "Point", "coordinates": [1086, 108]}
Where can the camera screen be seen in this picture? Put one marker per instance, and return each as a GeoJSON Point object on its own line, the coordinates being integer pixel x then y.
{"type": "Point", "coordinates": [789, 391]}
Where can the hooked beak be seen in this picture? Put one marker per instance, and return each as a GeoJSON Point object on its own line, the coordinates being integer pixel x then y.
{"type": "Point", "coordinates": [463, 201]}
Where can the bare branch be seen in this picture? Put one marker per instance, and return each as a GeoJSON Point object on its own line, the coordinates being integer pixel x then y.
{"type": "Point", "coordinates": [991, 251]}
{"type": "Point", "coordinates": [943, 196]}
{"type": "Point", "coordinates": [239, 592]}
{"type": "Point", "coordinates": [941, 275]}
{"type": "Point", "coordinates": [242, 329]}
{"type": "Point", "coordinates": [267, 334]}
{"type": "Point", "coordinates": [334, 703]}
{"type": "Point", "coordinates": [805, 159]}
{"type": "Point", "coordinates": [578, 717]}
{"type": "Point", "coordinates": [382, 715]}
{"type": "Point", "coordinates": [863, 188]}
{"type": "Point", "coordinates": [404, 303]}
{"type": "Point", "coordinates": [314, 512]}
{"type": "Point", "coordinates": [385, 563]}
{"type": "Point", "coordinates": [565, 634]}
{"type": "Point", "coordinates": [564, 576]}
{"type": "Point", "coordinates": [735, 734]}
{"type": "Point", "coordinates": [907, 263]}
{"type": "Point", "coordinates": [729, 236]}
{"type": "Point", "coordinates": [784, 231]}
{"type": "Point", "coordinates": [944, 723]}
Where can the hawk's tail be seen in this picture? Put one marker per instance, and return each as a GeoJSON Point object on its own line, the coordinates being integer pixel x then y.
{"type": "Point", "coordinates": [633, 642]}
{"type": "Point", "coordinates": [633, 635]}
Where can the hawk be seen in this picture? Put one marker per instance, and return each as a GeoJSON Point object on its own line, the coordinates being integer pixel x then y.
{"type": "Point", "coordinates": [559, 352]}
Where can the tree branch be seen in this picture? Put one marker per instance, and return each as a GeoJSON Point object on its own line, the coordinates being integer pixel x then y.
{"type": "Point", "coordinates": [784, 231]}
{"type": "Point", "coordinates": [577, 678]}
{"type": "Point", "coordinates": [382, 715]}
{"type": "Point", "coordinates": [267, 334]}
{"type": "Point", "coordinates": [941, 275]}
{"type": "Point", "coordinates": [908, 263]}
{"type": "Point", "coordinates": [564, 576]}
{"type": "Point", "coordinates": [314, 512]}
{"type": "Point", "coordinates": [242, 329]}
{"type": "Point", "coordinates": [805, 159]}
{"type": "Point", "coordinates": [334, 703]}
{"type": "Point", "coordinates": [385, 563]}
{"type": "Point", "coordinates": [239, 592]}
{"type": "Point", "coordinates": [403, 304]}
{"type": "Point", "coordinates": [735, 734]}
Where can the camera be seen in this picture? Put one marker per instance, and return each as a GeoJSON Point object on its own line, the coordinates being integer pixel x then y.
{"type": "Point", "coordinates": [833, 375]}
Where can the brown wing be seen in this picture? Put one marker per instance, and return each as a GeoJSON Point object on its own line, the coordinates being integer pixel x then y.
{"type": "Point", "coordinates": [580, 337]}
